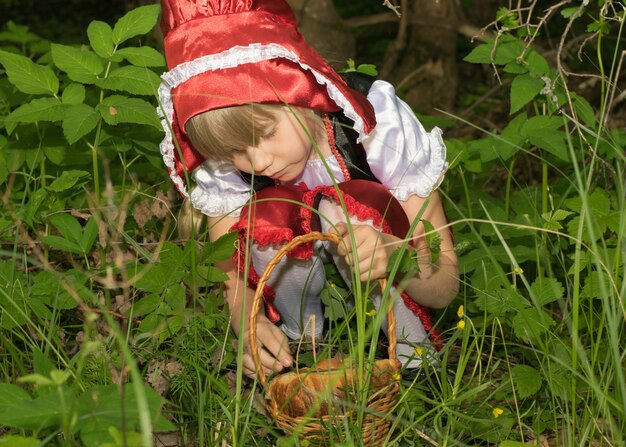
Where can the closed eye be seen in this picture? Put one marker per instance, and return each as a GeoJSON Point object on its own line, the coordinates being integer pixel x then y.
{"type": "Point", "coordinates": [269, 133]}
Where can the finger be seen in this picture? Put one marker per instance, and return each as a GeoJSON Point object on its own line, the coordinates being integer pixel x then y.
{"type": "Point", "coordinates": [275, 342]}
{"type": "Point", "coordinates": [268, 363]}
{"type": "Point", "coordinates": [340, 228]}
{"type": "Point", "coordinates": [250, 369]}
{"type": "Point", "coordinates": [345, 246]}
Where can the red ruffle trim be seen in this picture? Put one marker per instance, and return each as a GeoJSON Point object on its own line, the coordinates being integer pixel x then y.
{"type": "Point", "coordinates": [280, 236]}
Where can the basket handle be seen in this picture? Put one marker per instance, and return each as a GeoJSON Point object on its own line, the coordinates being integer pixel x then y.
{"type": "Point", "coordinates": [256, 303]}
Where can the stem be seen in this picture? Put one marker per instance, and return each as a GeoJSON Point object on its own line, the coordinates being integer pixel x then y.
{"type": "Point", "coordinates": [507, 193]}
{"type": "Point", "coordinates": [467, 196]}
{"type": "Point", "coordinates": [95, 146]}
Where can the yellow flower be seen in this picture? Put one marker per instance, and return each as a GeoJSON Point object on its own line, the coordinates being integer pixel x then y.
{"type": "Point", "coordinates": [418, 351]}
{"type": "Point", "coordinates": [461, 324]}
{"type": "Point", "coordinates": [497, 412]}
{"type": "Point", "coordinates": [518, 270]}
{"type": "Point", "coordinates": [371, 313]}
{"type": "Point", "coordinates": [396, 376]}
{"type": "Point", "coordinates": [461, 311]}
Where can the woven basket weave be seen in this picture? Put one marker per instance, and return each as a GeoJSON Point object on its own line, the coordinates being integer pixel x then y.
{"type": "Point", "coordinates": [316, 403]}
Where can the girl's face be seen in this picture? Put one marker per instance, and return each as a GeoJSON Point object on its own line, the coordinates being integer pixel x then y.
{"type": "Point", "coordinates": [282, 153]}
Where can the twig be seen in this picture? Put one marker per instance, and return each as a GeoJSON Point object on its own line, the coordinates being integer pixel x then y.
{"type": "Point", "coordinates": [395, 48]}
{"type": "Point", "coordinates": [394, 8]}
{"type": "Point", "coordinates": [426, 438]}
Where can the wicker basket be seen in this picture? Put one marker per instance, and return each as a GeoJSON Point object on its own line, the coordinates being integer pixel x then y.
{"type": "Point", "coordinates": [326, 392]}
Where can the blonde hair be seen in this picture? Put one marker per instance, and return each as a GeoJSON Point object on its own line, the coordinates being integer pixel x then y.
{"type": "Point", "coordinates": [221, 133]}
{"type": "Point", "coordinates": [190, 221]}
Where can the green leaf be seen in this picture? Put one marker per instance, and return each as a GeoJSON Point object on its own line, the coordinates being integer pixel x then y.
{"type": "Point", "coordinates": [513, 139]}
{"type": "Point", "coordinates": [546, 290]}
{"type": "Point", "coordinates": [145, 306]}
{"type": "Point", "coordinates": [73, 94]}
{"type": "Point", "coordinates": [212, 274]}
{"type": "Point", "coordinates": [553, 142]}
{"type": "Point", "coordinates": [543, 132]}
{"type": "Point", "coordinates": [69, 179]}
{"type": "Point", "coordinates": [118, 109]}
{"type": "Point", "coordinates": [526, 379]}
{"type": "Point", "coordinates": [537, 64]}
{"type": "Point", "coordinates": [28, 76]}
{"type": "Point", "coordinates": [78, 121]}
{"type": "Point", "coordinates": [433, 239]}
{"type": "Point", "coordinates": [568, 12]}
{"type": "Point", "coordinates": [598, 200]}
{"type": "Point", "coordinates": [515, 68]}
{"type": "Point", "coordinates": [12, 394]}
{"type": "Point", "coordinates": [48, 289]}
{"type": "Point", "coordinates": [90, 232]}
{"type": "Point", "coordinates": [31, 212]}
{"type": "Point", "coordinates": [154, 278]}
{"type": "Point", "coordinates": [62, 244]}
{"type": "Point", "coordinates": [67, 225]}
{"type": "Point", "coordinates": [142, 56]}
{"type": "Point", "coordinates": [584, 110]}
{"type": "Point", "coordinates": [101, 38]}
{"type": "Point", "coordinates": [507, 50]}
{"type": "Point", "coordinates": [552, 220]}
{"type": "Point", "coordinates": [501, 301]}
{"type": "Point", "coordinates": [531, 323]}
{"type": "Point", "coordinates": [368, 69]}
{"type": "Point", "coordinates": [135, 80]}
{"type": "Point", "coordinates": [36, 414]}
{"type": "Point", "coordinates": [596, 285]}
{"type": "Point", "coordinates": [334, 299]}
{"type": "Point", "coordinates": [220, 250]}
{"type": "Point", "coordinates": [40, 109]}
{"type": "Point", "coordinates": [406, 260]}
{"type": "Point", "coordinates": [19, 441]}
{"type": "Point", "coordinates": [523, 90]}
{"type": "Point", "coordinates": [480, 55]}
{"type": "Point", "coordinates": [81, 65]}
{"type": "Point", "coordinates": [137, 22]}
{"type": "Point", "coordinates": [507, 18]}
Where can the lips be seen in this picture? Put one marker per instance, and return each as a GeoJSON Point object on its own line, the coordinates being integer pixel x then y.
{"type": "Point", "coordinates": [277, 175]}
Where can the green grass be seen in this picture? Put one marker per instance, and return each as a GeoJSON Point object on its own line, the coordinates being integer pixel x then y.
{"type": "Point", "coordinates": [117, 327]}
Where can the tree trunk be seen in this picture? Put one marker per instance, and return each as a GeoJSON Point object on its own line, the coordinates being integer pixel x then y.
{"type": "Point", "coordinates": [421, 63]}
{"type": "Point", "coordinates": [322, 27]}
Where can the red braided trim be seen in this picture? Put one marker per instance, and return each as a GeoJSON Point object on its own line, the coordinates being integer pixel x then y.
{"type": "Point", "coordinates": [333, 148]}
{"type": "Point", "coordinates": [355, 208]}
{"type": "Point", "coordinates": [239, 257]}
{"type": "Point", "coordinates": [275, 237]}
{"type": "Point", "coordinates": [306, 211]}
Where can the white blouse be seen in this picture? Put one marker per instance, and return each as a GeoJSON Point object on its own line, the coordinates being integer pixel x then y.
{"type": "Point", "coordinates": [401, 154]}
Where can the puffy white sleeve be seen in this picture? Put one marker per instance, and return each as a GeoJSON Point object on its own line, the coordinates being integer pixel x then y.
{"type": "Point", "coordinates": [401, 154]}
{"type": "Point", "coordinates": [219, 190]}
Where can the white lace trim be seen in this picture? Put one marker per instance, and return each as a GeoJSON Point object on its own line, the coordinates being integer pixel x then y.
{"type": "Point", "coordinates": [232, 57]}
{"type": "Point", "coordinates": [434, 171]}
{"type": "Point", "coordinates": [229, 204]}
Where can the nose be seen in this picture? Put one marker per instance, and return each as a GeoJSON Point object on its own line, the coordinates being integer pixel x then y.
{"type": "Point", "coordinates": [260, 159]}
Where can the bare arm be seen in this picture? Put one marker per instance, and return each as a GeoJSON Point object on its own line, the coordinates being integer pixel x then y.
{"type": "Point", "coordinates": [437, 284]}
{"type": "Point", "coordinates": [275, 355]}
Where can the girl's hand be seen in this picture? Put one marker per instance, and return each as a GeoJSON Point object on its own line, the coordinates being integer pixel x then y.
{"type": "Point", "coordinates": [373, 249]}
{"type": "Point", "coordinates": [273, 347]}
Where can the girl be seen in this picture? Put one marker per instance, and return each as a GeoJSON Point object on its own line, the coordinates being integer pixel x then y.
{"type": "Point", "coordinates": [278, 144]}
